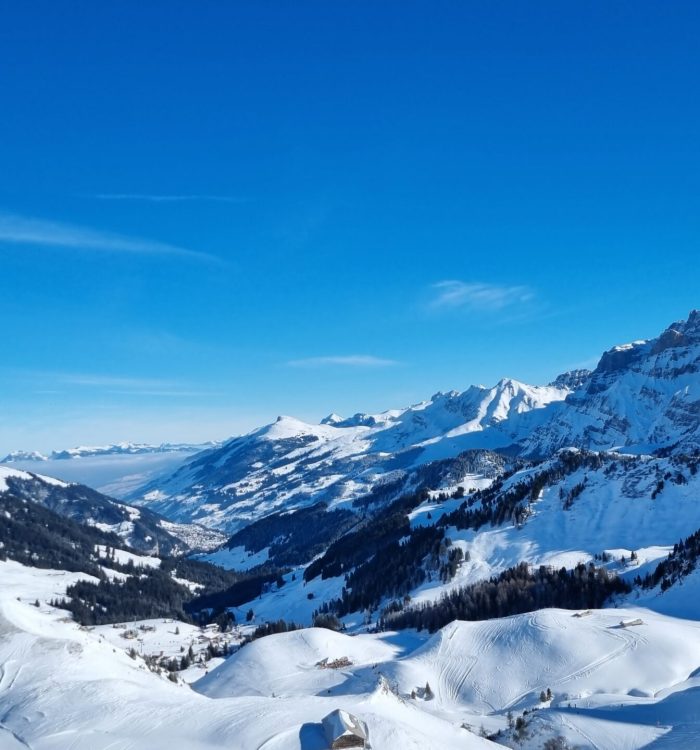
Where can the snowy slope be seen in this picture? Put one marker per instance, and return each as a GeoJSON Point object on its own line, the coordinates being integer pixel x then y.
{"type": "Point", "coordinates": [618, 509]}
{"type": "Point", "coordinates": [61, 686]}
{"type": "Point", "coordinates": [610, 685]}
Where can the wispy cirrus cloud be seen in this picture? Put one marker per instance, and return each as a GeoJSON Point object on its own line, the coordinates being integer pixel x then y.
{"type": "Point", "coordinates": [478, 296]}
{"type": "Point", "coordinates": [111, 381]}
{"type": "Point", "coordinates": [348, 360]}
{"type": "Point", "coordinates": [102, 384]}
{"type": "Point", "coordinates": [23, 230]}
{"type": "Point", "coordinates": [170, 198]}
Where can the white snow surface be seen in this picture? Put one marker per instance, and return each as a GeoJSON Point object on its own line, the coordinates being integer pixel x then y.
{"type": "Point", "coordinates": [64, 687]}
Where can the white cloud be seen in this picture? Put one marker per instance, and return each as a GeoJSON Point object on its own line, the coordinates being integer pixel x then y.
{"type": "Point", "coordinates": [111, 381]}
{"type": "Point", "coordinates": [349, 360]}
{"type": "Point", "coordinates": [22, 230]}
{"type": "Point", "coordinates": [115, 385]}
{"type": "Point", "coordinates": [478, 296]}
{"type": "Point", "coordinates": [172, 198]}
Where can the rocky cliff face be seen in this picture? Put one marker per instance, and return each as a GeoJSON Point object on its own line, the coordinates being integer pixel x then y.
{"type": "Point", "coordinates": [643, 396]}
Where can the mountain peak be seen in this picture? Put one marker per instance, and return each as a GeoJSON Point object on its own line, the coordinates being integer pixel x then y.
{"type": "Point", "coordinates": [572, 380]}
{"type": "Point", "coordinates": [332, 419]}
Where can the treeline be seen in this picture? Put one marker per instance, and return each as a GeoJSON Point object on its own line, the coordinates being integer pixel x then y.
{"type": "Point", "coordinates": [496, 506]}
{"type": "Point", "coordinates": [152, 593]}
{"type": "Point", "coordinates": [248, 585]}
{"type": "Point", "coordinates": [395, 569]}
{"type": "Point", "coordinates": [681, 561]}
{"type": "Point", "coordinates": [516, 590]}
{"type": "Point", "coordinates": [34, 535]}
{"type": "Point", "coordinates": [296, 537]}
{"type": "Point", "coordinates": [358, 546]}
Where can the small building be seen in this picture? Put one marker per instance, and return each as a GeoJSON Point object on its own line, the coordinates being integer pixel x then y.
{"type": "Point", "coordinates": [630, 623]}
{"type": "Point", "coordinates": [344, 730]}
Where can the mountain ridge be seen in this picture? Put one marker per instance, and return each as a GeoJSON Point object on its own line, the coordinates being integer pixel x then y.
{"type": "Point", "coordinates": [641, 397]}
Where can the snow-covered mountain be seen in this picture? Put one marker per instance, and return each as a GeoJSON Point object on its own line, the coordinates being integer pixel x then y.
{"type": "Point", "coordinates": [115, 449]}
{"type": "Point", "coordinates": [139, 527]}
{"type": "Point", "coordinates": [643, 396]}
{"type": "Point", "coordinates": [422, 518]}
{"type": "Point", "coordinates": [291, 464]}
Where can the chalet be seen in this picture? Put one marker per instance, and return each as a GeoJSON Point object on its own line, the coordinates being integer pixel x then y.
{"type": "Point", "coordinates": [344, 730]}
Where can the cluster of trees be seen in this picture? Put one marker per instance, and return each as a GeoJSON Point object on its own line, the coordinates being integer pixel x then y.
{"type": "Point", "coordinates": [327, 620]}
{"type": "Point", "coordinates": [454, 559]}
{"type": "Point", "coordinates": [516, 590]}
{"type": "Point", "coordinates": [247, 585]}
{"type": "Point", "coordinates": [495, 506]}
{"type": "Point", "coordinates": [681, 561]}
{"type": "Point", "coordinates": [270, 628]}
{"type": "Point", "coordinates": [151, 593]}
{"type": "Point", "coordinates": [394, 570]}
{"type": "Point", "coordinates": [567, 498]}
{"type": "Point", "coordinates": [371, 536]}
{"type": "Point", "coordinates": [294, 538]}
{"type": "Point", "coordinates": [34, 535]}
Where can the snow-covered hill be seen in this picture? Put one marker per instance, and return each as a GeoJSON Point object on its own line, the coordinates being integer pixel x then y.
{"type": "Point", "coordinates": [63, 686]}
{"type": "Point", "coordinates": [612, 687]}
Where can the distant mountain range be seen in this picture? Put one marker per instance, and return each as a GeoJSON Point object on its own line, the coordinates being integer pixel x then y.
{"type": "Point", "coordinates": [117, 449]}
{"type": "Point", "coordinates": [642, 397]}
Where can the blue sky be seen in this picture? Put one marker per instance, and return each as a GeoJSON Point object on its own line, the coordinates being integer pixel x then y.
{"type": "Point", "coordinates": [214, 213]}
